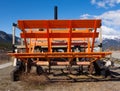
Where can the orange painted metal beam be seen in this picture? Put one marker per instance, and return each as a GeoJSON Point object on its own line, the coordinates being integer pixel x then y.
{"type": "Point", "coordinates": [78, 43]}
{"type": "Point", "coordinates": [57, 44]}
{"type": "Point", "coordinates": [26, 24]}
{"type": "Point", "coordinates": [25, 41]}
{"type": "Point", "coordinates": [70, 37]}
{"type": "Point", "coordinates": [60, 55]}
{"type": "Point", "coordinates": [59, 35]}
{"type": "Point", "coordinates": [93, 40]}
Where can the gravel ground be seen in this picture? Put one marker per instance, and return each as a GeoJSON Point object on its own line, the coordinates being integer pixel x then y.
{"type": "Point", "coordinates": [32, 82]}
{"type": "Point", "coordinates": [116, 54]}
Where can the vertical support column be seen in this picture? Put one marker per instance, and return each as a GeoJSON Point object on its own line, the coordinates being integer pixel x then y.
{"type": "Point", "coordinates": [100, 39]}
{"type": "Point", "coordinates": [13, 33]}
{"type": "Point", "coordinates": [69, 44]}
{"type": "Point", "coordinates": [30, 44]}
{"type": "Point", "coordinates": [25, 41]}
{"type": "Point", "coordinates": [48, 39]}
{"type": "Point", "coordinates": [13, 43]}
{"type": "Point", "coordinates": [69, 39]}
{"type": "Point", "coordinates": [49, 45]}
{"type": "Point", "coordinates": [21, 41]}
{"type": "Point", "coordinates": [95, 29]}
{"type": "Point", "coordinates": [88, 45]}
{"type": "Point", "coordinates": [13, 36]}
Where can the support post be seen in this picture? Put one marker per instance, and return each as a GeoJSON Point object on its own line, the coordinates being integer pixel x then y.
{"type": "Point", "coordinates": [13, 36]}
{"type": "Point", "coordinates": [21, 41]}
{"type": "Point", "coordinates": [100, 39]}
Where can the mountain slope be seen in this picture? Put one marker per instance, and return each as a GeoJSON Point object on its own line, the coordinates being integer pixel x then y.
{"type": "Point", "coordinates": [112, 43]}
{"type": "Point", "coordinates": [6, 40]}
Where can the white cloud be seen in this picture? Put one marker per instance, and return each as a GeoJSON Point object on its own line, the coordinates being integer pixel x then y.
{"type": "Point", "coordinates": [111, 18]}
{"type": "Point", "coordinates": [110, 22]}
{"type": "Point", "coordinates": [105, 3]}
{"type": "Point", "coordinates": [85, 16]}
{"type": "Point", "coordinates": [109, 31]}
{"type": "Point", "coordinates": [101, 4]}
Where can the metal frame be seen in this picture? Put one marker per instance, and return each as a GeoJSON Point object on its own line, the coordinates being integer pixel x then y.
{"type": "Point", "coordinates": [67, 33]}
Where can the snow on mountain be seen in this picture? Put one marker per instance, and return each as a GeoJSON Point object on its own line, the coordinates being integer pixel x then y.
{"type": "Point", "coordinates": [111, 42]}
{"type": "Point", "coordinates": [113, 37]}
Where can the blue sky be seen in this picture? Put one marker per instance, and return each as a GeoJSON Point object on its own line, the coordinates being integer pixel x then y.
{"type": "Point", "coordinates": [107, 10]}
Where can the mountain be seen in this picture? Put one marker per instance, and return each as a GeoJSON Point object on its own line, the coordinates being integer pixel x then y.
{"type": "Point", "coordinates": [6, 40]}
{"type": "Point", "coordinates": [111, 43]}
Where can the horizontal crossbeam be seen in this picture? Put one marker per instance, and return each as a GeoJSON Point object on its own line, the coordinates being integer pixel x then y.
{"type": "Point", "coordinates": [59, 35]}
{"type": "Point", "coordinates": [60, 55]}
{"type": "Point", "coordinates": [27, 24]}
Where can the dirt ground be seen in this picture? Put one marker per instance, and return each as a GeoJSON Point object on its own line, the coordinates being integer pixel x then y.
{"type": "Point", "coordinates": [33, 82]}
{"type": "Point", "coordinates": [40, 83]}
{"type": "Point", "coordinates": [4, 58]}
